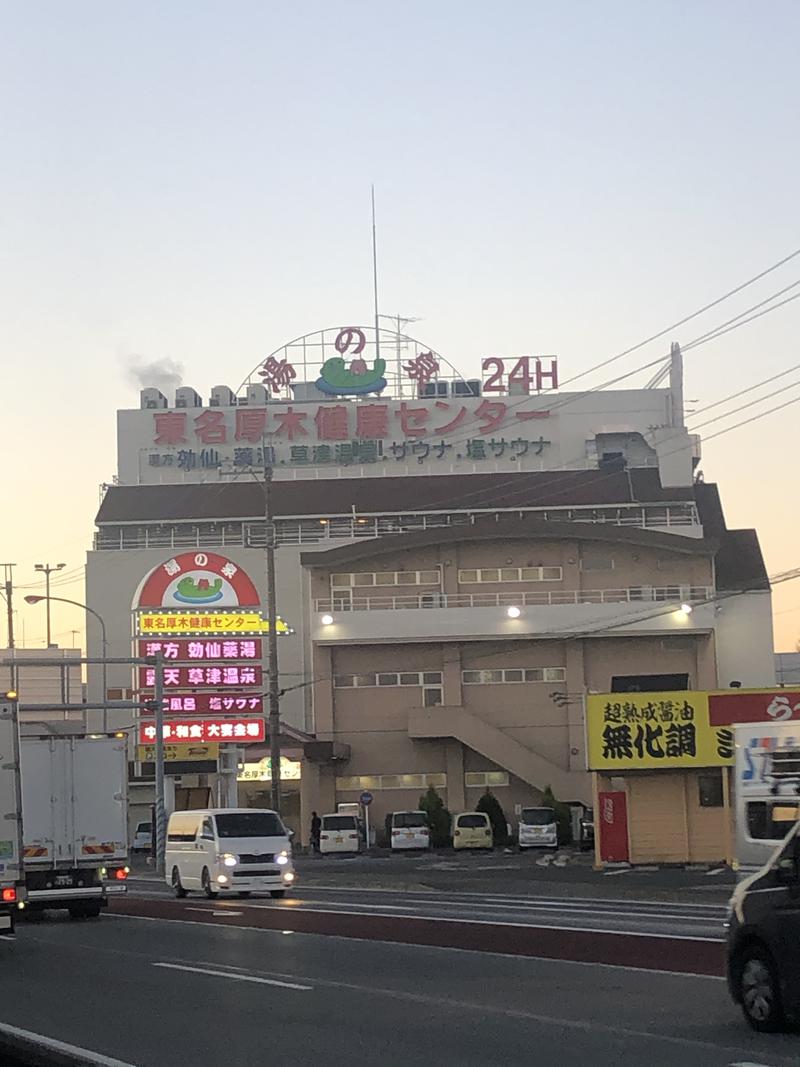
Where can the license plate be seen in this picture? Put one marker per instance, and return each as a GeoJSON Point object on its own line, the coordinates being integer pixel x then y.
{"type": "Point", "coordinates": [410, 837]}
{"type": "Point", "coordinates": [63, 879]}
{"type": "Point", "coordinates": [339, 840]}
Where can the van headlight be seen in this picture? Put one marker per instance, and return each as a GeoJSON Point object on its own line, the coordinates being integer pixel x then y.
{"type": "Point", "coordinates": [282, 858]}
{"type": "Point", "coordinates": [229, 859]}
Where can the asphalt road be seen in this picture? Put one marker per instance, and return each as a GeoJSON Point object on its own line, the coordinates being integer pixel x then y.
{"type": "Point", "coordinates": [676, 920]}
{"type": "Point", "coordinates": [152, 993]}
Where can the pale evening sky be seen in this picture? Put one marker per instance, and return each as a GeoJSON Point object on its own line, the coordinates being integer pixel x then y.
{"type": "Point", "coordinates": [191, 180]}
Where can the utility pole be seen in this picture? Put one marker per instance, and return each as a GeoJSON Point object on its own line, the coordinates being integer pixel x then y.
{"type": "Point", "coordinates": [272, 636]}
{"type": "Point", "coordinates": [9, 593]}
{"type": "Point", "coordinates": [47, 569]}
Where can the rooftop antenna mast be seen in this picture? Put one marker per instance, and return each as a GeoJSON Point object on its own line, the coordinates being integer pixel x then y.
{"type": "Point", "coordinates": [375, 278]}
{"type": "Point", "coordinates": [400, 322]}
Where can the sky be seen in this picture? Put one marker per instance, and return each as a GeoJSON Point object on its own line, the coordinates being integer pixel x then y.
{"type": "Point", "coordinates": [191, 181]}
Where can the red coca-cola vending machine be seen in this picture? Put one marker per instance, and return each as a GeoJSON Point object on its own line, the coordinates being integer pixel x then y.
{"type": "Point", "coordinates": [612, 819]}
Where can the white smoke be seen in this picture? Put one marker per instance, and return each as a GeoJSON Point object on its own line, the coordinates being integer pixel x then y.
{"type": "Point", "coordinates": [160, 374]}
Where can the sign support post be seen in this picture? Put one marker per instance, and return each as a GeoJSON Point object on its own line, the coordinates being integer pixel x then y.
{"type": "Point", "coordinates": [160, 813]}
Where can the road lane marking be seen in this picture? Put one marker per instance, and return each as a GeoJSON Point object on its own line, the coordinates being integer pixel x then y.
{"type": "Point", "coordinates": [234, 977]}
{"type": "Point", "coordinates": [51, 1044]}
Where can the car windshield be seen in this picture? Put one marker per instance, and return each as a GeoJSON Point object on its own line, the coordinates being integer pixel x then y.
{"type": "Point", "coordinates": [339, 822]}
{"type": "Point", "coordinates": [249, 824]}
{"type": "Point", "coordinates": [537, 816]}
{"type": "Point", "coordinates": [472, 820]}
{"type": "Point", "coordinates": [409, 819]}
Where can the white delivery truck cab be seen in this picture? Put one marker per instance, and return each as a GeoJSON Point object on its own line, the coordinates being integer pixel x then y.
{"type": "Point", "coordinates": [767, 780]}
{"type": "Point", "coordinates": [74, 819]}
{"type": "Point", "coordinates": [12, 882]}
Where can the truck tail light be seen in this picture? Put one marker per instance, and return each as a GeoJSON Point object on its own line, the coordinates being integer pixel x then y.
{"type": "Point", "coordinates": [353, 837]}
{"type": "Point", "coordinates": [9, 894]}
{"type": "Point", "coordinates": [121, 874]}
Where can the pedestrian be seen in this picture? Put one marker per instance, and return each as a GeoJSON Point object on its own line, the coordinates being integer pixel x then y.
{"type": "Point", "coordinates": [316, 829]}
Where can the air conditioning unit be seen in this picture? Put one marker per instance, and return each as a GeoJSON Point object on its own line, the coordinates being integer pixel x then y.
{"type": "Point", "coordinates": [255, 396]}
{"type": "Point", "coordinates": [435, 389]}
{"type": "Point", "coordinates": [472, 387]}
{"type": "Point", "coordinates": [186, 397]}
{"type": "Point", "coordinates": [222, 397]}
{"type": "Point", "coordinates": [308, 391]}
{"type": "Point", "coordinates": [152, 398]}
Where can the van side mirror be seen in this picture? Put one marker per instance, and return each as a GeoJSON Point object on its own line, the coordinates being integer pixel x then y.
{"type": "Point", "coordinates": [290, 834]}
{"type": "Point", "coordinates": [787, 870]}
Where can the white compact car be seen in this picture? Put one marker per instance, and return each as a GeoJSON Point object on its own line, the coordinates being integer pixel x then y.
{"type": "Point", "coordinates": [240, 850]}
{"type": "Point", "coordinates": [408, 829]}
{"type": "Point", "coordinates": [142, 837]}
{"type": "Point", "coordinates": [538, 828]}
{"type": "Point", "coordinates": [340, 833]}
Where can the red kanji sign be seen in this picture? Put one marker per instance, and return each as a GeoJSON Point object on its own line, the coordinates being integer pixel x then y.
{"type": "Point", "coordinates": [181, 650]}
{"type": "Point", "coordinates": [210, 675]}
{"type": "Point", "coordinates": [240, 730]}
{"type": "Point", "coordinates": [170, 427]}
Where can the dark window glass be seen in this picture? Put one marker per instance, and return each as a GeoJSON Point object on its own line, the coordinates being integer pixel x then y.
{"type": "Point", "coordinates": [339, 822]}
{"type": "Point", "coordinates": [409, 819]}
{"type": "Point", "coordinates": [537, 816]}
{"type": "Point", "coordinates": [250, 824]}
{"type": "Point", "coordinates": [472, 820]}
{"type": "Point", "coordinates": [709, 787]}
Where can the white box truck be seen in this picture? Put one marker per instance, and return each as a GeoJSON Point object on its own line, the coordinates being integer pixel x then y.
{"type": "Point", "coordinates": [12, 882]}
{"type": "Point", "coordinates": [766, 789]}
{"type": "Point", "coordinates": [75, 820]}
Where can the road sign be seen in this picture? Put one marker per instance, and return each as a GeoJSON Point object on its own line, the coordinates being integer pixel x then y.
{"type": "Point", "coordinates": [366, 798]}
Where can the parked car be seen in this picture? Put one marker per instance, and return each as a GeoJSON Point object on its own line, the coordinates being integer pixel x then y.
{"type": "Point", "coordinates": [472, 829]}
{"type": "Point", "coordinates": [142, 837]}
{"type": "Point", "coordinates": [763, 938]}
{"type": "Point", "coordinates": [408, 829]}
{"type": "Point", "coordinates": [537, 828]}
{"type": "Point", "coordinates": [340, 833]}
{"type": "Point", "coordinates": [228, 849]}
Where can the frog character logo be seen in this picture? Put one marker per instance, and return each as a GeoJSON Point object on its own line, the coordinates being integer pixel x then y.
{"type": "Point", "coordinates": [199, 591]}
{"type": "Point", "coordinates": [337, 379]}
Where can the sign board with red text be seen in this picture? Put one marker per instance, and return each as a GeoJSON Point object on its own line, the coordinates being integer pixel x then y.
{"type": "Point", "coordinates": [209, 676]}
{"type": "Point", "coordinates": [181, 650]}
{"type": "Point", "coordinates": [234, 730]}
{"type": "Point", "coordinates": [213, 703]}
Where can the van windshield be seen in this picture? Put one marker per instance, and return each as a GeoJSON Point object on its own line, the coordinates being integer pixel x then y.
{"type": "Point", "coordinates": [249, 824]}
{"type": "Point", "coordinates": [472, 820]}
{"type": "Point", "coordinates": [409, 819]}
{"type": "Point", "coordinates": [143, 828]}
{"type": "Point", "coordinates": [537, 816]}
{"type": "Point", "coordinates": [338, 822]}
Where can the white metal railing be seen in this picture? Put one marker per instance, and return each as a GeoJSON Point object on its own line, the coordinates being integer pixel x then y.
{"type": "Point", "coordinates": [549, 598]}
{"type": "Point", "coordinates": [314, 531]}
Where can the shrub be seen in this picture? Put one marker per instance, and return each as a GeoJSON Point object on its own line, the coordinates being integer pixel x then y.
{"type": "Point", "coordinates": [438, 817]}
{"type": "Point", "coordinates": [563, 815]}
{"type": "Point", "coordinates": [491, 806]}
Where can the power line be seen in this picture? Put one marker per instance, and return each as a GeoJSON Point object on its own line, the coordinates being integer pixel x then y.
{"type": "Point", "coordinates": [748, 389]}
{"type": "Point", "coordinates": [749, 404]}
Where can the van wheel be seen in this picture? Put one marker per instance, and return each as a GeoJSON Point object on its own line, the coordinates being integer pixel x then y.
{"type": "Point", "coordinates": [205, 881]}
{"type": "Point", "coordinates": [759, 991]}
{"type": "Point", "coordinates": [276, 894]}
{"type": "Point", "coordinates": [175, 880]}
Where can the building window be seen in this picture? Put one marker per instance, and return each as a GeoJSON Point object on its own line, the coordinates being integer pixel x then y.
{"type": "Point", "coordinates": [510, 574]}
{"type": "Point", "coordinates": [388, 678]}
{"type": "Point", "coordinates": [485, 779]}
{"type": "Point", "coordinates": [342, 582]}
{"type": "Point", "coordinates": [359, 782]}
{"type": "Point", "coordinates": [599, 563]}
{"type": "Point", "coordinates": [431, 696]}
{"type": "Point", "coordinates": [709, 790]}
{"type": "Point", "coordinates": [514, 674]}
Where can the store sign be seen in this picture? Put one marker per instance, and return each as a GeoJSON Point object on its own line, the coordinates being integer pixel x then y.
{"type": "Point", "coordinates": [182, 650]}
{"type": "Point", "coordinates": [218, 623]}
{"type": "Point", "coordinates": [191, 753]}
{"type": "Point", "coordinates": [645, 731]}
{"type": "Point", "coordinates": [240, 730]}
{"type": "Point", "coordinates": [197, 580]}
{"type": "Point", "coordinates": [212, 703]}
{"type": "Point", "coordinates": [528, 374]}
{"type": "Point", "coordinates": [262, 771]}
{"type": "Point", "coordinates": [214, 676]}
{"type": "Point", "coordinates": [754, 705]}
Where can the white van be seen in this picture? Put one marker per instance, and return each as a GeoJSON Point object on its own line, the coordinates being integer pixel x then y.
{"type": "Point", "coordinates": [408, 829]}
{"type": "Point", "coordinates": [340, 833]}
{"type": "Point", "coordinates": [241, 850]}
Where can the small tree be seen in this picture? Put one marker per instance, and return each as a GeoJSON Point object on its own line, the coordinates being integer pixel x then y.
{"type": "Point", "coordinates": [563, 815]}
{"type": "Point", "coordinates": [491, 806]}
{"type": "Point", "coordinates": [438, 817]}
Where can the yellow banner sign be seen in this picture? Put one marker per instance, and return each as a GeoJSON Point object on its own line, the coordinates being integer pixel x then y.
{"type": "Point", "coordinates": [645, 731]}
{"type": "Point", "coordinates": [206, 623]}
{"type": "Point", "coordinates": [179, 753]}
{"type": "Point", "coordinates": [262, 771]}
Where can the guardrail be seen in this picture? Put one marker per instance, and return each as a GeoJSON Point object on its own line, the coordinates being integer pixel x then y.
{"type": "Point", "coordinates": [22, 1048]}
{"type": "Point", "coordinates": [550, 598]}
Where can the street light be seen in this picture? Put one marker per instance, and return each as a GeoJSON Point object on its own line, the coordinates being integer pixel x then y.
{"type": "Point", "coordinates": [47, 569]}
{"type": "Point", "coordinates": [33, 599]}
